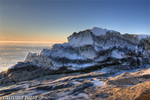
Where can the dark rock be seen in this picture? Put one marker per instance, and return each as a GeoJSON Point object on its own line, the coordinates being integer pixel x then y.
{"type": "Point", "coordinates": [82, 87]}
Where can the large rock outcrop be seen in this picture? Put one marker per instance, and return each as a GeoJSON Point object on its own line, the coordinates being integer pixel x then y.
{"type": "Point", "coordinates": [87, 50]}
{"type": "Point", "coordinates": [90, 48]}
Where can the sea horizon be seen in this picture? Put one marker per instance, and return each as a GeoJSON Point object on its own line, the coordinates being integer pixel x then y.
{"type": "Point", "coordinates": [13, 52]}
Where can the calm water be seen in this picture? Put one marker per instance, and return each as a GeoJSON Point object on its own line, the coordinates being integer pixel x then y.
{"type": "Point", "coordinates": [11, 53]}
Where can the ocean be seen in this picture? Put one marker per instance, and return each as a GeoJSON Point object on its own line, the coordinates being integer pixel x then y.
{"type": "Point", "coordinates": [11, 53]}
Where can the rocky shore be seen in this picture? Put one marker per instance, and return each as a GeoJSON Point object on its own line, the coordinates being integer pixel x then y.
{"type": "Point", "coordinates": [95, 64]}
{"type": "Point", "coordinates": [98, 85]}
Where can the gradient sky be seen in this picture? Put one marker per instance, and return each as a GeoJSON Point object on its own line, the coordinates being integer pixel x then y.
{"type": "Point", "coordinates": [55, 20]}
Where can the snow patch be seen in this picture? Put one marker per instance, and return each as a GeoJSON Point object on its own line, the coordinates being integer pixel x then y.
{"type": "Point", "coordinates": [98, 82]}
{"type": "Point", "coordinates": [111, 31]}
{"type": "Point", "coordinates": [75, 82]}
{"type": "Point", "coordinates": [97, 31]}
{"type": "Point", "coordinates": [143, 36]}
{"type": "Point", "coordinates": [117, 54]}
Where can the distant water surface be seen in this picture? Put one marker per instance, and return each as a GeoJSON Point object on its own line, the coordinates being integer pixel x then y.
{"type": "Point", "coordinates": [11, 53]}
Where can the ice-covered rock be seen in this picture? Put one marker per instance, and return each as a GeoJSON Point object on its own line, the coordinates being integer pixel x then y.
{"type": "Point", "coordinates": [100, 38]}
{"type": "Point", "coordinates": [81, 39]}
{"type": "Point", "coordinates": [89, 48]}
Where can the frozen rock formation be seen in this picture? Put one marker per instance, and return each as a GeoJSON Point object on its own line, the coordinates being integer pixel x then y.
{"type": "Point", "coordinates": [90, 48]}
{"type": "Point", "coordinates": [85, 51]}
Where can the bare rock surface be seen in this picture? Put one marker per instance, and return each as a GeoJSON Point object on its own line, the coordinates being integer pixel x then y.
{"type": "Point", "coordinates": [88, 86]}
{"type": "Point", "coordinates": [130, 78]}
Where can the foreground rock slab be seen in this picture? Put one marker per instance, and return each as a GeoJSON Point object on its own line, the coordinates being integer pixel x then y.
{"type": "Point", "coordinates": [89, 86]}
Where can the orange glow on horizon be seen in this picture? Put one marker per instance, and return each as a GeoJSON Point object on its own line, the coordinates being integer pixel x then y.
{"type": "Point", "coordinates": [28, 42]}
{"type": "Point", "coordinates": [32, 39]}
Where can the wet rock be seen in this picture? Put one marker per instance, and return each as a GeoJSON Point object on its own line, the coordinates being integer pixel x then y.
{"type": "Point", "coordinates": [82, 87]}
{"type": "Point", "coordinates": [10, 89]}
{"type": "Point", "coordinates": [54, 86]}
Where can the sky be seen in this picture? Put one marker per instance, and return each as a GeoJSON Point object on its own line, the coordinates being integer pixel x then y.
{"type": "Point", "coordinates": [55, 20]}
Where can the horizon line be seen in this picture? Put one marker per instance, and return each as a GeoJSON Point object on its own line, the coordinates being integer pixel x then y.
{"type": "Point", "coordinates": [1, 41]}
